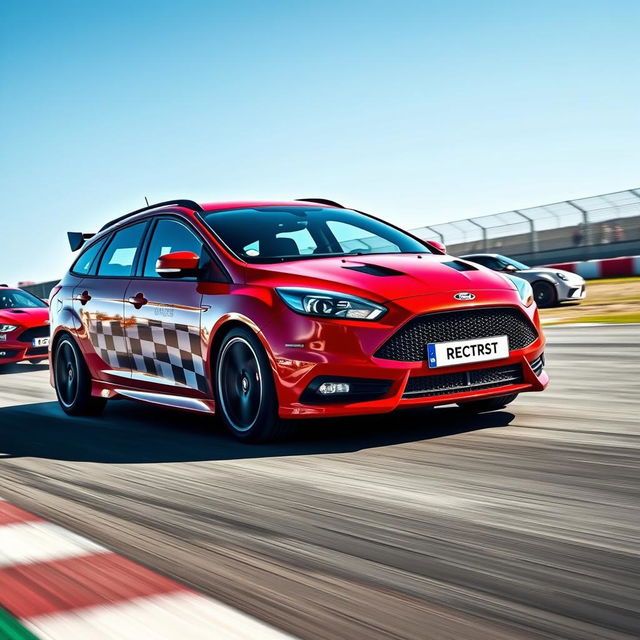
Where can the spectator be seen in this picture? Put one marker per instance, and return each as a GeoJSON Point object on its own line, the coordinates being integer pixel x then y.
{"type": "Point", "coordinates": [605, 233]}
{"type": "Point", "coordinates": [618, 233]}
{"type": "Point", "coordinates": [578, 236]}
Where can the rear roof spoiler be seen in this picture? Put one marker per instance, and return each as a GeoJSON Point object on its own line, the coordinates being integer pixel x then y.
{"type": "Point", "coordinates": [77, 239]}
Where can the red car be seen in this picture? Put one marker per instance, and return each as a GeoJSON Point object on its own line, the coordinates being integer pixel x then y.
{"type": "Point", "coordinates": [24, 326]}
{"type": "Point", "coordinates": [265, 312]}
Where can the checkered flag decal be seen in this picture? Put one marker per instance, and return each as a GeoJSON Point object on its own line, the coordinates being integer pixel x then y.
{"type": "Point", "coordinates": [107, 337]}
{"type": "Point", "coordinates": [165, 349]}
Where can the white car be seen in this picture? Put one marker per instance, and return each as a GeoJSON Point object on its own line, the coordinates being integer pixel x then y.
{"type": "Point", "coordinates": [550, 286]}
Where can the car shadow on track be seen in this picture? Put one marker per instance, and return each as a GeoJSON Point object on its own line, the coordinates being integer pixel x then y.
{"type": "Point", "coordinates": [129, 432]}
{"type": "Point", "coordinates": [25, 367]}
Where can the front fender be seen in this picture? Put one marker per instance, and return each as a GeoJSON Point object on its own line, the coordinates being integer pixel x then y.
{"type": "Point", "coordinates": [544, 277]}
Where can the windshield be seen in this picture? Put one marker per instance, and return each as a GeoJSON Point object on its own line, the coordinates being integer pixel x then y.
{"type": "Point", "coordinates": [18, 299]}
{"type": "Point", "coordinates": [277, 234]}
{"type": "Point", "coordinates": [518, 265]}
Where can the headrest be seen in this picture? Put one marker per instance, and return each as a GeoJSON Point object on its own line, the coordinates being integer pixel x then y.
{"type": "Point", "coordinates": [275, 247]}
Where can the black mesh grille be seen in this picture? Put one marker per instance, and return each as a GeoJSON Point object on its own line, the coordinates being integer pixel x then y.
{"type": "Point", "coordinates": [409, 343]}
{"type": "Point", "coordinates": [8, 353]}
{"type": "Point", "coordinates": [35, 332]}
{"type": "Point", "coordinates": [446, 383]}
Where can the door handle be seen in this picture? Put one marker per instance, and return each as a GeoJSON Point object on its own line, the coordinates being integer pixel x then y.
{"type": "Point", "coordinates": [83, 298]}
{"type": "Point", "coordinates": [138, 300]}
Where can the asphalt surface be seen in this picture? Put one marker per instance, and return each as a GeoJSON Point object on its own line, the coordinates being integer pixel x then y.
{"type": "Point", "coordinates": [523, 523]}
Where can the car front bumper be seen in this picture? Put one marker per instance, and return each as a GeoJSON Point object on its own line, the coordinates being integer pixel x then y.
{"type": "Point", "coordinates": [19, 345]}
{"type": "Point", "coordinates": [344, 351]}
{"type": "Point", "coordinates": [11, 352]}
{"type": "Point", "coordinates": [573, 290]}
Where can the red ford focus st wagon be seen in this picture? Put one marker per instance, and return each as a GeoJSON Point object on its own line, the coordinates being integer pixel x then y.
{"type": "Point", "coordinates": [268, 312]}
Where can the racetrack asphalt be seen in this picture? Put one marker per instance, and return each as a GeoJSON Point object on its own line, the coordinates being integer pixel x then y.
{"type": "Point", "coordinates": [522, 523]}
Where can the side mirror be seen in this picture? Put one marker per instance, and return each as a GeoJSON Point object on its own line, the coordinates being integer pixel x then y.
{"type": "Point", "coordinates": [510, 268]}
{"type": "Point", "coordinates": [178, 264]}
{"type": "Point", "coordinates": [438, 246]}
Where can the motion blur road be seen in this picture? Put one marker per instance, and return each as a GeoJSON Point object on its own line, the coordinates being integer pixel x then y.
{"type": "Point", "coordinates": [518, 524]}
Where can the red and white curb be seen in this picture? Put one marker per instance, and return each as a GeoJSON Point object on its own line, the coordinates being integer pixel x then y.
{"type": "Point", "coordinates": [606, 268]}
{"type": "Point", "coordinates": [61, 586]}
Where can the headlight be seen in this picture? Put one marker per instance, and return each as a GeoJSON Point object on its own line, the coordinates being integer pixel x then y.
{"type": "Point", "coordinates": [524, 290]}
{"type": "Point", "coordinates": [6, 328]}
{"type": "Point", "coordinates": [562, 276]}
{"type": "Point", "coordinates": [330, 304]}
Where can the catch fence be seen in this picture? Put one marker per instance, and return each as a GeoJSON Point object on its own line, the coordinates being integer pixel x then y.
{"type": "Point", "coordinates": [609, 219]}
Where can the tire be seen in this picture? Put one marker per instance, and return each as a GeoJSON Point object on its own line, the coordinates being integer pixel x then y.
{"type": "Point", "coordinates": [40, 361]}
{"type": "Point", "coordinates": [490, 404]}
{"type": "Point", "coordinates": [545, 295]}
{"type": "Point", "coordinates": [245, 393]}
{"type": "Point", "coordinates": [73, 382]}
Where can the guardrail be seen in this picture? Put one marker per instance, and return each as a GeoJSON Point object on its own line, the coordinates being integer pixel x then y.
{"type": "Point", "coordinates": [610, 222]}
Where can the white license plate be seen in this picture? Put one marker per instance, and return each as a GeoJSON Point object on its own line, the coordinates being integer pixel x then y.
{"type": "Point", "coordinates": [41, 342]}
{"type": "Point", "coordinates": [449, 354]}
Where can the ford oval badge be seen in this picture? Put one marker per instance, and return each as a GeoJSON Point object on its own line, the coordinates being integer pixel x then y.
{"type": "Point", "coordinates": [464, 295]}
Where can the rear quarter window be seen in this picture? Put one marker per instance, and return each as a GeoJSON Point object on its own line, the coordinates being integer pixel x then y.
{"type": "Point", "coordinates": [87, 263]}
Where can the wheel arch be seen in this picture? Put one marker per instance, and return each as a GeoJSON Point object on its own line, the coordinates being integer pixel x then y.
{"type": "Point", "coordinates": [543, 277]}
{"type": "Point", "coordinates": [223, 328]}
{"type": "Point", "coordinates": [58, 336]}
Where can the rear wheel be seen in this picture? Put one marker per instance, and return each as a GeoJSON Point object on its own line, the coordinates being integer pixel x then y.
{"type": "Point", "coordinates": [545, 294]}
{"type": "Point", "coordinates": [73, 382]}
{"type": "Point", "coordinates": [490, 404]}
{"type": "Point", "coordinates": [246, 399]}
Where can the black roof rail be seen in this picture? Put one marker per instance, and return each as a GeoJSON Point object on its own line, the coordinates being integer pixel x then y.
{"type": "Point", "coordinates": [331, 203]}
{"type": "Point", "coordinates": [188, 204]}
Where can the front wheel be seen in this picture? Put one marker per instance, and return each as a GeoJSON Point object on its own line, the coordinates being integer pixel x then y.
{"type": "Point", "coordinates": [73, 382]}
{"type": "Point", "coordinates": [246, 399]}
{"type": "Point", "coordinates": [490, 404]}
{"type": "Point", "coordinates": [544, 294]}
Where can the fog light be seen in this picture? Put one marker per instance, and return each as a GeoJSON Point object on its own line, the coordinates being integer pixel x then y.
{"type": "Point", "coordinates": [330, 388]}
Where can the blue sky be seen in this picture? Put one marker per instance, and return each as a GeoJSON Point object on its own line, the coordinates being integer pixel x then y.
{"type": "Point", "coordinates": [421, 112]}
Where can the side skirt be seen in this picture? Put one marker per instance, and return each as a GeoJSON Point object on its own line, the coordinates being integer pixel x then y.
{"type": "Point", "coordinates": [176, 402]}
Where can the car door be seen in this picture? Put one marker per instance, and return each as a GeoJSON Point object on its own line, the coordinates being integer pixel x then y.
{"type": "Point", "coordinates": [99, 301]}
{"type": "Point", "coordinates": [162, 316]}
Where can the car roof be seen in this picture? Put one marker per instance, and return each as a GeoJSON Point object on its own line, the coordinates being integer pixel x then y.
{"type": "Point", "coordinates": [163, 207]}
{"type": "Point", "coordinates": [486, 255]}
{"type": "Point", "coordinates": [220, 206]}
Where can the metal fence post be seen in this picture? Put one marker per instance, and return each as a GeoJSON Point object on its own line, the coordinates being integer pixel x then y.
{"type": "Point", "coordinates": [533, 240]}
{"type": "Point", "coordinates": [441, 236]}
{"type": "Point", "coordinates": [585, 221]}
{"type": "Point", "coordinates": [485, 244]}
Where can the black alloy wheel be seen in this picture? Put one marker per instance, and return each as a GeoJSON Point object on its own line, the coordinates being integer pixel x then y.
{"type": "Point", "coordinates": [73, 382]}
{"type": "Point", "coordinates": [544, 294]}
{"type": "Point", "coordinates": [246, 398]}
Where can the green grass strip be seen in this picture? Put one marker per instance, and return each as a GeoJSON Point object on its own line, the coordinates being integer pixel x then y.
{"type": "Point", "coordinates": [11, 629]}
{"type": "Point", "coordinates": [616, 318]}
{"type": "Point", "coordinates": [625, 280]}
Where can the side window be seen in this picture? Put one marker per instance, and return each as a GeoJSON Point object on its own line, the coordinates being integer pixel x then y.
{"type": "Point", "coordinates": [353, 238]}
{"type": "Point", "coordinates": [489, 262]}
{"type": "Point", "coordinates": [169, 236]}
{"type": "Point", "coordinates": [120, 255]}
{"type": "Point", "coordinates": [86, 264]}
